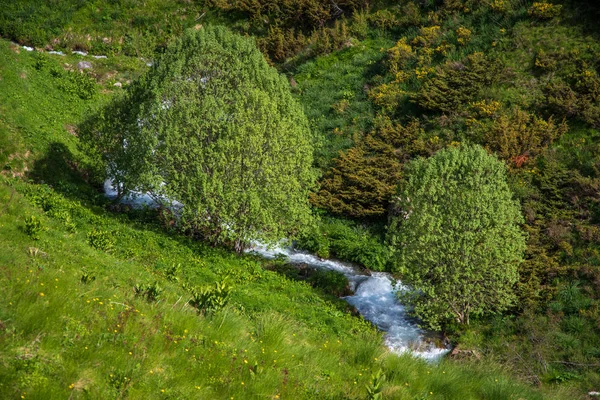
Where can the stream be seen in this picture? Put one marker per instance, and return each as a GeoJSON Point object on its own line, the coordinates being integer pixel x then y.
{"type": "Point", "coordinates": [375, 299]}
{"type": "Point", "coordinates": [374, 294]}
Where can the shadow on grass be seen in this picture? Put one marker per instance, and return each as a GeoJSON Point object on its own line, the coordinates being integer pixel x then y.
{"type": "Point", "coordinates": [329, 285]}
{"type": "Point", "coordinates": [61, 170]}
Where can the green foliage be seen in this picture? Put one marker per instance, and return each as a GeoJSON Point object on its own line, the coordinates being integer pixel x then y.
{"type": "Point", "coordinates": [331, 282]}
{"type": "Point", "coordinates": [284, 45]}
{"type": "Point", "coordinates": [363, 179]}
{"type": "Point", "coordinates": [100, 239]}
{"type": "Point", "coordinates": [102, 341]}
{"type": "Point", "coordinates": [308, 13]}
{"type": "Point", "coordinates": [33, 227]}
{"type": "Point", "coordinates": [522, 134]}
{"type": "Point", "coordinates": [34, 23]}
{"type": "Point", "coordinates": [456, 236]}
{"type": "Point", "coordinates": [347, 241]}
{"type": "Point", "coordinates": [87, 277]}
{"type": "Point", "coordinates": [150, 291]}
{"type": "Point", "coordinates": [315, 241]}
{"type": "Point", "coordinates": [173, 272]}
{"type": "Point", "coordinates": [332, 92]}
{"type": "Point", "coordinates": [571, 300]}
{"type": "Point", "coordinates": [549, 73]}
{"type": "Point", "coordinates": [119, 26]}
{"type": "Point", "coordinates": [375, 386]}
{"type": "Point", "coordinates": [576, 94]}
{"type": "Point", "coordinates": [456, 83]}
{"type": "Point", "coordinates": [298, 28]}
{"type": "Point", "coordinates": [557, 376]}
{"type": "Point", "coordinates": [41, 61]}
{"type": "Point", "coordinates": [78, 84]}
{"type": "Point", "coordinates": [211, 299]}
{"type": "Point", "coordinates": [215, 128]}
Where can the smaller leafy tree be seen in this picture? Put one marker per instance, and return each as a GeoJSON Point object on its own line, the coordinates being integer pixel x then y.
{"type": "Point", "coordinates": [456, 236]}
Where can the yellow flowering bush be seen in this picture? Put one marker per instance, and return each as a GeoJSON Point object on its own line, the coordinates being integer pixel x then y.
{"type": "Point", "coordinates": [498, 5]}
{"type": "Point", "coordinates": [423, 72]}
{"type": "Point", "coordinates": [400, 76]}
{"type": "Point", "coordinates": [400, 55]}
{"type": "Point", "coordinates": [545, 61]}
{"type": "Point", "coordinates": [463, 35]}
{"type": "Point", "coordinates": [486, 108]}
{"type": "Point", "coordinates": [387, 95]}
{"type": "Point", "coordinates": [443, 49]}
{"type": "Point", "coordinates": [543, 10]}
{"type": "Point", "coordinates": [518, 132]}
{"type": "Point", "coordinates": [428, 35]}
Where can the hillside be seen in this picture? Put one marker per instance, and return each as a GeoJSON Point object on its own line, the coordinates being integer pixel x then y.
{"type": "Point", "coordinates": [96, 295]}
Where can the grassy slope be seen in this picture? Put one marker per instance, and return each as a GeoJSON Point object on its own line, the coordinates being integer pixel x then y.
{"type": "Point", "coordinates": [60, 337]}
{"type": "Point", "coordinates": [99, 340]}
{"type": "Point", "coordinates": [120, 26]}
{"type": "Point", "coordinates": [332, 91]}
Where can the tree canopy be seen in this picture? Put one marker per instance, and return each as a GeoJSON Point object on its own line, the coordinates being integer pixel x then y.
{"type": "Point", "coordinates": [456, 235]}
{"type": "Point", "coordinates": [214, 127]}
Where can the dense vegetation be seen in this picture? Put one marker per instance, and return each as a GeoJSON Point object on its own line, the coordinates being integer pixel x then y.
{"type": "Point", "coordinates": [381, 84]}
{"type": "Point", "coordinates": [456, 236]}
{"type": "Point", "coordinates": [215, 128]}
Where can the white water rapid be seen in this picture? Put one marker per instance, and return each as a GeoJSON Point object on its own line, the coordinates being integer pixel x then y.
{"type": "Point", "coordinates": [374, 298]}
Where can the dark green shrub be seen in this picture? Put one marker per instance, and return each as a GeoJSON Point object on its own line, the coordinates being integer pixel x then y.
{"type": "Point", "coordinates": [574, 324]}
{"type": "Point", "coordinates": [457, 83]}
{"type": "Point", "coordinates": [330, 282]}
{"type": "Point", "coordinates": [559, 376]}
{"type": "Point", "coordinates": [570, 299]}
{"type": "Point", "coordinates": [315, 241]}
{"type": "Point", "coordinates": [363, 179]}
{"type": "Point", "coordinates": [40, 61]}
{"type": "Point", "coordinates": [307, 14]}
{"type": "Point", "coordinates": [520, 133]}
{"type": "Point", "coordinates": [383, 19]}
{"type": "Point", "coordinates": [347, 241]}
{"type": "Point", "coordinates": [33, 227]}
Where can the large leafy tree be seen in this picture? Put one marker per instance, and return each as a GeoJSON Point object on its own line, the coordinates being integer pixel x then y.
{"type": "Point", "coordinates": [214, 127]}
{"type": "Point", "coordinates": [457, 237]}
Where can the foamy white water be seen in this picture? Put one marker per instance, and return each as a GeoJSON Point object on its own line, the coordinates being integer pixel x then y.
{"type": "Point", "coordinates": [140, 199]}
{"type": "Point", "coordinates": [135, 199]}
{"type": "Point", "coordinates": [374, 298]}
